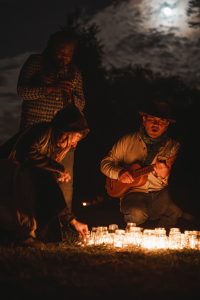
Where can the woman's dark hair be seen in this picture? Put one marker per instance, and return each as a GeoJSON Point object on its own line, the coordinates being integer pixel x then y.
{"type": "Point", "coordinates": [70, 119]}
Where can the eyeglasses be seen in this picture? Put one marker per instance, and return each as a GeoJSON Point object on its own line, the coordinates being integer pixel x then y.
{"type": "Point", "coordinates": [159, 121]}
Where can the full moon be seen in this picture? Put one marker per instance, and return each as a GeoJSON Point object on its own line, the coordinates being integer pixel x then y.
{"type": "Point", "coordinates": [167, 11]}
{"type": "Point", "coordinates": [170, 16]}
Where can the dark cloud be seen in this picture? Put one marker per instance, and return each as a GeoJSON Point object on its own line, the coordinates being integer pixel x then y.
{"type": "Point", "coordinates": [2, 80]}
{"type": "Point", "coordinates": [137, 32]}
{"type": "Point", "coordinates": [9, 95]}
{"type": "Point", "coordinates": [26, 25]}
{"type": "Point", "coordinates": [132, 32]}
{"type": "Point", "coordinates": [11, 66]}
{"type": "Point", "coordinates": [10, 107]}
{"type": "Point", "coordinates": [10, 103]}
{"type": "Point", "coordinates": [25, 28]}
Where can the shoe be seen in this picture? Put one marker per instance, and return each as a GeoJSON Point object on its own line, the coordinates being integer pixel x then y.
{"type": "Point", "coordinates": [188, 217]}
{"type": "Point", "coordinates": [33, 243]}
{"type": "Point", "coordinates": [189, 222]}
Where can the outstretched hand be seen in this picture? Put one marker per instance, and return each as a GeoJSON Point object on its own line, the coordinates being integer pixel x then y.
{"type": "Point", "coordinates": [81, 228]}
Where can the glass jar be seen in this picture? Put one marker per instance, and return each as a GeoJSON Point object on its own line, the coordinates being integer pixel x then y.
{"type": "Point", "coordinates": [175, 238]}
{"type": "Point", "coordinates": [119, 238]}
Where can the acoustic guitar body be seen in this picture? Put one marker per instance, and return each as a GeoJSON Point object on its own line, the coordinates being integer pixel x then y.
{"type": "Point", "coordinates": [117, 189]}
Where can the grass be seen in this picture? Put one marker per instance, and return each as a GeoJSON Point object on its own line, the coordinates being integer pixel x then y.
{"type": "Point", "coordinates": [98, 272]}
{"type": "Point", "coordinates": [66, 270]}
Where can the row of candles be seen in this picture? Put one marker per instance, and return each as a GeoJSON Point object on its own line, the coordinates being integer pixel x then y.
{"type": "Point", "coordinates": [136, 236]}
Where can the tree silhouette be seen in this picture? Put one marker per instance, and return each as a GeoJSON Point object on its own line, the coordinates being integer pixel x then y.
{"type": "Point", "coordinates": [88, 57]}
{"type": "Point", "coordinates": [114, 98]}
{"type": "Point", "coordinates": [194, 12]}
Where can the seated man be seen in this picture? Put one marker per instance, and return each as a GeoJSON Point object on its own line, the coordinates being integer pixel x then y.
{"type": "Point", "coordinates": [30, 194]}
{"type": "Point", "coordinates": [138, 168]}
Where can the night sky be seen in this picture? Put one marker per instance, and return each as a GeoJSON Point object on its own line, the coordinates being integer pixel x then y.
{"type": "Point", "coordinates": [25, 29]}
{"type": "Point", "coordinates": [153, 33]}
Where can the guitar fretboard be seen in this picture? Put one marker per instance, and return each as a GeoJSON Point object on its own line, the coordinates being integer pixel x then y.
{"type": "Point", "coordinates": [142, 171]}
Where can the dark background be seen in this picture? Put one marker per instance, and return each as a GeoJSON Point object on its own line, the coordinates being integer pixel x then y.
{"type": "Point", "coordinates": [129, 50]}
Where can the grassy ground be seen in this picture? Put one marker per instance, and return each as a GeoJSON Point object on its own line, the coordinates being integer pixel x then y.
{"type": "Point", "coordinates": [98, 273]}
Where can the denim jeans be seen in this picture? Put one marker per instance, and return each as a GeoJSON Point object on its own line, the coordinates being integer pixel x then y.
{"type": "Point", "coordinates": [139, 207]}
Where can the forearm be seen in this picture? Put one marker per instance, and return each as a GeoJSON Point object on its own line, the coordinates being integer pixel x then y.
{"type": "Point", "coordinates": [46, 163]}
{"type": "Point", "coordinates": [110, 168]}
{"type": "Point", "coordinates": [67, 217]}
{"type": "Point", "coordinates": [73, 221]}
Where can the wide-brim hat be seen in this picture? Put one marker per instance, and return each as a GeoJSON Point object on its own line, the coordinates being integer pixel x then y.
{"type": "Point", "coordinates": [70, 119]}
{"type": "Point", "coordinates": [160, 109]}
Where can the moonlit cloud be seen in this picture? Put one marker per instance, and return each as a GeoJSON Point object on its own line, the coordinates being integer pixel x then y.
{"type": "Point", "coordinates": [10, 104]}
{"type": "Point", "coordinates": [164, 16]}
{"type": "Point", "coordinates": [154, 34]}
{"type": "Point", "coordinates": [142, 32]}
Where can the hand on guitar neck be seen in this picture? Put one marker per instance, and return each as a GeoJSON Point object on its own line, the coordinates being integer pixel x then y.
{"type": "Point", "coordinates": [161, 169]}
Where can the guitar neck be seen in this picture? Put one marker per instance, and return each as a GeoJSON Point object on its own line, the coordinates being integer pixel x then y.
{"type": "Point", "coordinates": [142, 171]}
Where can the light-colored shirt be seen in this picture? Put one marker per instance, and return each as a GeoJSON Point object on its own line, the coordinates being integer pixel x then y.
{"type": "Point", "coordinates": [131, 149]}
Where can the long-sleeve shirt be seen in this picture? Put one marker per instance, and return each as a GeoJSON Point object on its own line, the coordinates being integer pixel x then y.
{"type": "Point", "coordinates": [38, 106]}
{"type": "Point", "coordinates": [131, 149]}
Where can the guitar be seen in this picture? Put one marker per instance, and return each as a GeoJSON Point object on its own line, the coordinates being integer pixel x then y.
{"type": "Point", "coordinates": [117, 189]}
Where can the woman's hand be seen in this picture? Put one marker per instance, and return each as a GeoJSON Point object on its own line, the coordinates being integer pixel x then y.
{"type": "Point", "coordinates": [80, 227]}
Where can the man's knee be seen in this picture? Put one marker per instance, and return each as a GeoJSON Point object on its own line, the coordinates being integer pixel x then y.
{"type": "Point", "coordinates": [136, 215]}
{"type": "Point", "coordinates": [174, 210]}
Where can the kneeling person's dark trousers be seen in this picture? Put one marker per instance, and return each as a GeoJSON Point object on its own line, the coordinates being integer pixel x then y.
{"type": "Point", "coordinates": [138, 207]}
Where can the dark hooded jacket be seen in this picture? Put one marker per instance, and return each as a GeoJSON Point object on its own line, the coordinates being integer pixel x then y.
{"type": "Point", "coordinates": [36, 146]}
{"type": "Point", "coordinates": [30, 197]}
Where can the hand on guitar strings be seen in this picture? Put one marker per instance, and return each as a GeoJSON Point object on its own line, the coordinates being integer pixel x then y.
{"type": "Point", "coordinates": [125, 177]}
